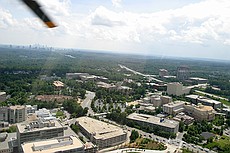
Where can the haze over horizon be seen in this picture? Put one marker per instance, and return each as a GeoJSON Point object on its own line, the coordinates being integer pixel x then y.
{"type": "Point", "coordinates": [191, 28]}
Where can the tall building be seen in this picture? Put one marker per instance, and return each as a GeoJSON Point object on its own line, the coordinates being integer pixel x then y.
{"type": "Point", "coordinates": [101, 133]}
{"type": "Point", "coordinates": [183, 73]}
{"type": "Point", "coordinates": [17, 114]}
{"type": "Point", "coordinates": [4, 114]}
{"type": "Point", "coordinates": [155, 122]}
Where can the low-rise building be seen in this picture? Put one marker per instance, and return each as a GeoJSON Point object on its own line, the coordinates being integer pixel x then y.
{"type": "Point", "coordinates": [2, 96]}
{"type": "Point", "coordinates": [198, 80]}
{"type": "Point", "coordinates": [155, 122]}
{"type": "Point", "coordinates": [38, 130]}
{"type": "Point", "coordinates": [200, 112]}
{"type": "Point", "coordinates": [8, 142]}
{"type": "Point", "coordinates": [163, 72]}
{"type": "Point", "coordinates": [31, 109]}
{"type": "Point", "coordinates": [58, 84]}
{"type": "Point", "coordinates": [184, 118]}
{"type": "Point", "coordinates": [195, 99]}
{"type": "Point", "coordinates": [65, 144]}
{"type": "Point", "coordinates": [177, 89]}
{"type": "Point", "coordinates": [101, 133]}
{"type": "Point", "coordinates": [174, 108]}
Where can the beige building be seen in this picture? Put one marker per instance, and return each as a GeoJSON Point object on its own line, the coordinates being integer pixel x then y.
{"type": "Point", "coordinates": [101, 133]}
{"type": "Point", "coordinates": [153, 121]}
{"type": "Point", "coordinates": [66, 144]}
{"type": "Point", "coordinates": [166, 99]}
{"type": "Point", "coordinates": [156, 100]}
{"type": "Point", "coordinates": [177, 89]}
{"type": "Point", "coordinates": [200, 112]}
{"type": "Point", "coordinates": [16, 114]}
{"type": "Point", "coordinates": [38, 130]}
{"type": "Point", "coordinates": [174, 108]}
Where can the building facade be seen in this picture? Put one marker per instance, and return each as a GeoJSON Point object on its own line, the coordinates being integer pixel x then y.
{"type": "Point", "coordinates": [176, 88]}
{"type": "Point", "coordinates": [183, 73]}
{"type": "Point", "coordinates": [174, 107]}
{"type": "Point", "coordinates": [101, 133]}
{"type": "Point", "coordinates": [155, 122]}
{"type": "Point", "coordinates": [17, 114]}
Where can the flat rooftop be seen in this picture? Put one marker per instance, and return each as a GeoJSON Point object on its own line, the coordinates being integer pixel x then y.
{"type": "Point", "coordinates": [153, 120]}
{"type": "Point", "coordinates": [58, 84]}
{"type": "Point", "coordinates": [204, 108]}
{"type": "Point", "coordinates": [2, 93]}
{"type": "Point", "coordinates": [174, 104]}
{"type": "Point", "coordinates": [22, 127]}
{"type": "Point", "coordinates": [8, 140]}
{"type": "Point", "coordinates": [101, 130]}
{"type": "Point", "coordinates": [17, 107]}
{"type": "Point", "coordinates": [53, 145]}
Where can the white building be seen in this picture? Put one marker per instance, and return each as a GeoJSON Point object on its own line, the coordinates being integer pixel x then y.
{"type": "Point", "coordinates": [65, 144]}
{"type": "Point", "coordinates": [8, 141]}
{"type": "Point", "coordinates": [177, 89]}
{"type": "Point", "coordinates": [31, 109]}
{"type": "Point", "coordinates": [163, 72]}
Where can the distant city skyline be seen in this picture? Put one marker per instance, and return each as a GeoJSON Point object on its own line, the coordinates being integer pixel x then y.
{"type": "Point", "coordinates": [191, 28]}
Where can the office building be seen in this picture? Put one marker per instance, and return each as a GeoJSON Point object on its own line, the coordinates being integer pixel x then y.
{"type": "Point", "coordinates": [4, 114]}
{"type": "Point", "coordinates": [155, 122]}
{"type": "Point", "coordinates": [200, 112]}
{"type": "Point", "coordinates": [166, 99]}
{"type": "Point", "coordinates": [195, 99]}
{"type": "Point", "coordinates": [8, 142]}
{"type": "Point", "coordinates": [163, 72]}
{"type": "Point", "coordinates": [65, 144]}
{"type": "Point", "coordinates": [16, 114]}
{"type": "Point", "coordinates": [182, 117]}
{"type": "Point", "coordinates": [156, 100]}
{"type": "Point", "coordinates": [2, 96]}
{"type": "Point", "coordinates": [31, 109]}
{"type": "Point", "coordinates": [198, 80]}
{"type": "Point", "coordinates": [174, 108]}
{"type": "Point", "coordinates": [177, 89]}
{"type": "Point", "coordinates": [183, 73]}
{"type": "Point", "coordinates": [38, 130]}
{"type": "Point", "coordinates": [101, 133]}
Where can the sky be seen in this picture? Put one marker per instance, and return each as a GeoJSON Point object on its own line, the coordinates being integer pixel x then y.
{"type": "Point", "coordinates": [180, 28]}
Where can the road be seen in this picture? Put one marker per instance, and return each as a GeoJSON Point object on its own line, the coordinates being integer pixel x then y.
{"type": "Point", "coordinates": [144, 75]}
{"type": "Point", "coordinates": [211, 95]}
{"type": "Point", "coordinates": [87, 101]}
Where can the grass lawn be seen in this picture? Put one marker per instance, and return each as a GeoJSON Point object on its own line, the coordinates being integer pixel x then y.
{"type": "Point", "coordinates": [145, 143]}
{"type": "Point", "coordinates": [222, 144]}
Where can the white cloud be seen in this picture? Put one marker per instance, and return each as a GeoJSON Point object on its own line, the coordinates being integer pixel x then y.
{"type": "Point", "coordinates": [6, 19]}
{"type": "Point", "coordinates": [116, 3]}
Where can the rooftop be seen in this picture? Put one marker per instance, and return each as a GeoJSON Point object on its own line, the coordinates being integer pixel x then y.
{"type": "Point", "coordinates": [204, 108]}
{"type": "Point", "coordinates": [2, 93]}
{"type": "Point", "coordinates": [153, 119]}
{"type": "Point", "coordinates": [7, 140]}
{"type": "Point", "coordinates": [58, 84]}
{"type": "Point", "coordinates": [17, 107]}
{"type": "Point", "coordinates": [175, 103]}
{"type": "Point", "coordinates": [38, 125]}
{"type": "Point", "coordinates": [99, 129]}
{"type": "Point", "coordinates": [53, 145]}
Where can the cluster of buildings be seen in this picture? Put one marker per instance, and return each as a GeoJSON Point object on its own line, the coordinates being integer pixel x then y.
{"type": "Point", "coordinates": [85, 76]}
{"type": "Point", "coordinates": [198, 112]}
{"type": "Point", "coordinates": [118, 87]}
